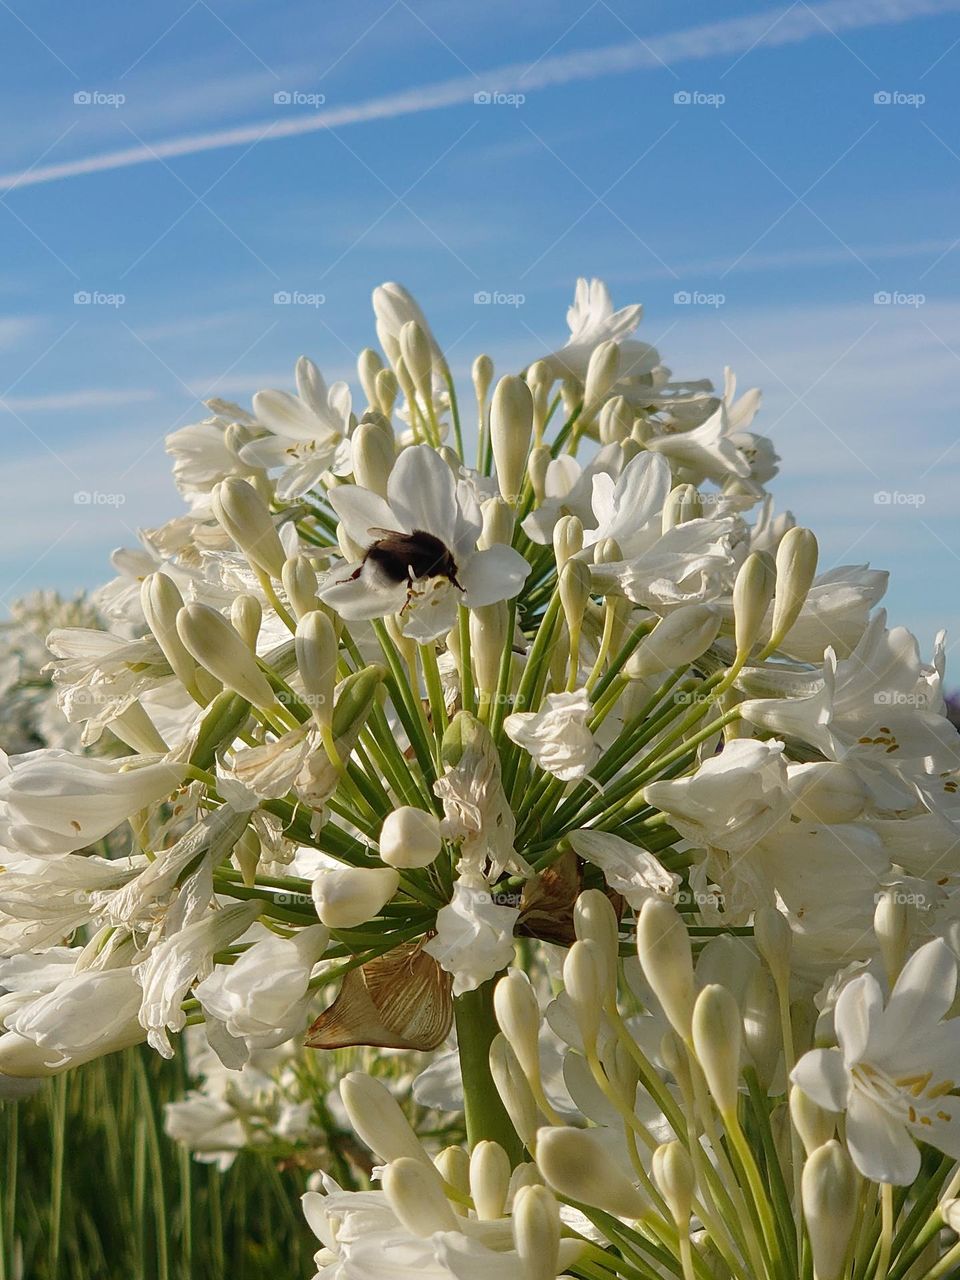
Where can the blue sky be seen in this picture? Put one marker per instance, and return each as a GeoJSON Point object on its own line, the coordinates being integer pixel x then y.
{"type": "Point", "coordinates": [781, 165]}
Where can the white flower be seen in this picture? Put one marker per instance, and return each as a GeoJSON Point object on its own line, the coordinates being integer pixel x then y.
{"type": "Point", "coordinates": [173, 966]}
{"type": "Point", "coordinates": [733, 799]}
{"type": "Point", "coordinates": [394, 306]}
{"type": "Point", "coordinates": [894, 1072]}
{"type": "Point", "coordinates": [310, 432]}
{"type": "Point", "coordinates": [592, 320]}
{"type": "Point", "coordinates": [558, 736]}
{"type": "Point", "coordinates": [422, 496]}
{"type": "Point", "coordinates": [628, 508]}
{"type": "Point", "coordinates": [264, 996]}
{"type": "Point", "coordinates": [568, 491]}
{"type": "Point", "coordinates": [627, 869]}
{"type": "Point", "coordinates": [44, 900]}
{"type": "Point", "coordinates": [52, 802]}
{"type": "Point", "coordinates": [474, 937]}
{"type": "Point", "coordinates": [200, 455]}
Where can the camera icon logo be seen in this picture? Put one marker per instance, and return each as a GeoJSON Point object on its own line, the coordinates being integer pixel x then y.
{"type": "Point", "coordinates": [481, 299]}
{"type": "Point", "coordinates": [282, 98]}
{"type": "Point", "coordinates": [483, 98]}
{"type": "Point", "coordinates": [682, 98]}
{"type": "Point", "coordinates": [82, 98]}
{"type": "Point", "coordinates": [281, 298]}
{"type": "Point", "coordinates": [81, 298]}
{"type": "Point", "coordinates": [882, 298]}
{"type": "Point", "coordinates": [681, 298]}
{"type": "Point", "coordinates": [883, 98]}
{"type": "Point", "coordinates": [882, 497]}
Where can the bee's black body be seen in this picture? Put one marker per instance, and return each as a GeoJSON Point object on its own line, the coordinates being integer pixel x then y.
{"type": "Point", "coordinates": [403, 557]}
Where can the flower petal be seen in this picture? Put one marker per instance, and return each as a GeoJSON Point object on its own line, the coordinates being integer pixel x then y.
{"type": "Point", "coordinates": [360, 511]}
{"type": "Point", "coordinates": [821, 1075]}
{"type": "Point", "coordinates": [423, 492]}
{"type": "Point", "coordinates": [858, 1011]}
{"type": "Point", "coordinates": [879, 1143]}
{"type": "Point", "coordinates": [495, 574]}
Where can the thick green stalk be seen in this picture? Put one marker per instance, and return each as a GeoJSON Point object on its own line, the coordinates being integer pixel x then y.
{"type": "Point", "coordinates": [485, 1115]}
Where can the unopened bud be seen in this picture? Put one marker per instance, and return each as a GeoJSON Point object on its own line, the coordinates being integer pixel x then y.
{"type": "Point", "coordinates": [373, 456]}
{"type": "Point", "coordinates": [511, 424]}
{"type": "Point", "coordinates": [410, 837]}
{"type": "Point", "coordinates": [387, 388]}
{"type": "Point", "coordinates": [683, 503]}
{"type": "Point", "coordinates": [489, 1179]}
{"type": "Point", "coordinates": [246, 519]}
{"type": "Point", "coordinates": [673, 1174]}
{"type": "Point", "coordinates": [415, 1195]}
{"type": "Point", "coordinates": [488, 639]}
{"type": "Point", "coordinates": [761, 1025]}
{"type": "Point", "coordinates": [536, 1233]}
{"type": "Point", "coordinates": [418, 358]}
{"type": "Point", "coordinates": [814, 1125]}
{"type": "Point", "coordinates": [453, 1165]}
{"type": "Point", "coordinates": [615, 421]}
{"type": "Point", "coordinates": [583, 984]}
{"type": "Point", "coordinates": [518, 1015]}
{"type": "Point", "coordinates": [676, 641]}
{"type": "Point", "coordinates": [774, 939]}
{"type": "Point", "coordinates": [499, 522]}
{"type": "Point", "coordinates": [369, 365]}
{"type": "Point", "coordinates": [579, 1168]}
{"type": "Point", "coordinates": [217, 646]}
{"type": "Point", "coordinates": [891, 924]}
{"type": "Point", "coordinates": [514, 1090]}
{"type": "Point", "coordinates": [377, 1120]}
{"type": "Point", "coordinates": [355, 699]}
{"type": "Point", "coordinates": [663, 946]}
{"type": "Point", "coordinates": [595, 921]}
{"type": "Point", "coordinates": [345, 897]}
{"type": "Point", "coordinates": [246, 855]}
{"type": "Point", "coordinates": [717, 1030]}
{"type": "Point", "coordinates": [300, 583]}
{"type": "Point", "coordinates": [482, 374]}
{"type": "Point", "coordinates": [575, 587]}
{"type": "Point", "coordinates": [567, 539]}
{"type": "Point", "coordinates": [316, 650]}
{"type": "Point", "coordinates": [537, 464]}
{"type": "Point", "coordinates": [607, 551]}
{"type": "Point", "coordinates": [246, 614]}
{"type": "Point", "coordinates": [602, 370]}
{"type": "Point", "coordinates": [796, 569]}
{"type": "Point", "coordinates": [830, 791]}
{"type": "Point", "coordinates": [161, 601]}
{"type": "Point", "coordinates": [752, 593]}
{"type": "Point", "coordinates": [829, 1190]}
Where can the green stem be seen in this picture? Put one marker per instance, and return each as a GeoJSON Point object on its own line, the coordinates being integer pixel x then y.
{"type": "Point", "coordinates": [485, 1115]}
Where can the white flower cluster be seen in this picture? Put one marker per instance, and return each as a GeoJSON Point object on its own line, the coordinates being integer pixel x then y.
{"type": "Point", "coordinates": [392, 703]}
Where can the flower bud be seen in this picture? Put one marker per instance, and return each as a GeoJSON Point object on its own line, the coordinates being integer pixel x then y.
{"type": "Point", "coordinates": [345, 897]}
{"type": "Point", "coordinates": [578, 1167]}
{"type": "Point", "coordinates": [489, 1179]}
{"type": "Point", "coordinates": [536, 1232]}
{"type": "Point", "coordinates": [537, 464]}
{"type": "Point", "coordinates": [582, 982]}
{"type": "Point", "coordinates": [482, 375]}
{"type": "Point", "coordinates": [246, 856]}
{"type": "Point", "coordinates": [595, 921]}
{"type": "Point", "coordinates": [418, 358]}
{"type": "Point", "coordinates": [511, 423]}
{"type": "Point", "coordinates": [316, 648]}
{"type": "Point", "coordinates": [300, 583]}
{"type": "Point", "coordinates": [829, 1190]}
{"type": "Point", "coordinates": [488, 639]}
{"type": "Point", "coordinates": [410, 837]}
{"type": "Point", "coordinates": [355, 699]}
{"type": "Point", "coordinates": [673, 1174]}
{"type": "Point", "coordinates": [717, 1031]}
{"type": "Point", "coordinates": [615, 421]}
{"type": "Point", "coordinates": [161, 601]}
{"type": "Point", "coordinates": [761, 1025]}
{"type": "Point", "coordinates": [247, 520]}
{"type": "Point", "coordinates": [416, 1195]}
{"type": "Point", "coordinates": [575, 588]}
{"type": "Point", "coordinates": [374, 453]}
{"type": "Point", "coordinates": [796, 568]}
{"type": "Point", "coordinates": [515, 1093]}
{"type": "Point", "coordinates": [246, 614]}
{"type": "Point", "coordinates": [814, 1125]}
{"type": "Point", "coordinates": [215, 644]}
{"type": "Point", "coordinates": [518, 1015]}
{"type": "Point", "coordinates": [774, 939]}
{"type": "Point", "coordinates": [752, 593]}
{"type": "Point", "coordinates": [683, 503]}
{"type": "Point", "coordinates": [891, 924]}
{"type": "Point", "coordinates": [677, 640]}
{"type": "Point", "coordinates": [377, 1120]}
{"type": "Point", "coordinates": [388, 388]}
{"type": "Point", "coordinates": [602, 370]}
{"type": "Point", "coordinates": [499, 523]}
{"type": "Point", "coordinates": [453, 1165]}
{"type": "Point", "coordinates": [567, 539]}
{"type": "Point", "coordinates": [369, 365]}
{"type": "Point", "coordinates": [663, 946]}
